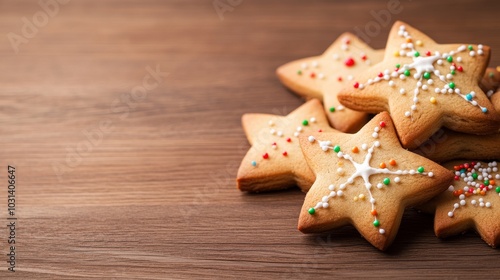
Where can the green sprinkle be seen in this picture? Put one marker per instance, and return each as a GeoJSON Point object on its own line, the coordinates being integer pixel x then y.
{"type": "Point", "coordinates": [376, 223]}
{"type": "Point", "coordinates": [332, 109]}
{"type": "Point", "coordinates": [497, 189]}
{"type": "Point", "coordinates": [427, 75]}
{"type": "Point", "coordinates": [407, 73]}
{"type": "Point", "coordinates": [449, 58]}
{"type": "Point", "coordinates": [398, 65]}
{"type": "Point", "coordinates": [491, 74]}
{"type": "Point", "coordinates": [299, 72]}
{"type": "Point", "coordinates": [312, 211]}
{"type": "Point", "coordinates": [336, 148]}
{"type": "Point", "coordinates": [486, 182]}
{"type": "Point", "coordinates": [470, 47]}
{"type": "Point", "coordinates": [420, 169]}
{"type": "Point", "coordinates": [417, 54]}
{"type": "Point", "coordinates": [387, 181]}
{"type": "Point", "coordinates": [451, 85]}
{"type": "Point", "coordinates": [305, 122]}
{"type": "Point", "coordinates": [453, 72]}
{"type": "Point", "coordinates": [474, 175]}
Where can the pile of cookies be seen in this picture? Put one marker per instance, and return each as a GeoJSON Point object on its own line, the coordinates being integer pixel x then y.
{"type": "Point", "coordinates": [432, 143]}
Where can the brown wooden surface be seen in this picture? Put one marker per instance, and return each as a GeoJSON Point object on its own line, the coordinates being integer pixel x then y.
{"type": "Point", "coordinates": [156, 197]}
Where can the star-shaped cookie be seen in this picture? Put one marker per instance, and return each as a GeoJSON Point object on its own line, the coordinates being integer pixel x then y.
{"type": "Point", "coordinates": [446, 145]}
{"type": "Point", "coordinates": [275, 160]}
{"type": "Point", "coordinates": [366, 179]}
{"type": "Point", "coordinates": [425, 86]}
{"type": "Point", "coordinates": [471, 202]}
{"type": "Point", "coordinates": [323, 76]}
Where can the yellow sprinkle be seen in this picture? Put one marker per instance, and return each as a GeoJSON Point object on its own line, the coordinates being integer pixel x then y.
{"type": "Point", "coordinates": [355, 198]}
{"type": "Point", "coordinates": [419, 43]}
{"type": "Point", "coordinates": [396, 53]}
{"type": "Point", "coordinates": [498, 68]}
{"type": "Point", "coordinates": [340, 163]}
{"type": "Point", "coordinates": [433, 100]}
{"type": "Point", "coordinates": [361, 196]}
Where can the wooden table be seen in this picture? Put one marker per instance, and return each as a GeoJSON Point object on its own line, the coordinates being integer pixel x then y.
{"type": "Point", "coordinates": [118, 181]}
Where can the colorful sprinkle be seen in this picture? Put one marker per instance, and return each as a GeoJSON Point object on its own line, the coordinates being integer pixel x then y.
{"type": "Point", "coordinates": [376, 223]}
{"type": "Point", "coordinates": [387, 181]}
{"type": "Point", "coordinates": [265, 156]}
{"type": "Point", "coordinates": [299, 72]}
{"type": "Point", "coordinates": [420, 169]}
{"type": "Point", "coordinates": [427, 75]}
{"type": "Point", "coordinates": [332, 109]}
{"type": "Point", "coordinates": [355, 150]}
{"type": "Point", "coordinates": [336, 148]}
{"type": "Point", "coordinates": [392, 162]}
{"type": "Point", "coordinates": [417, 54]}
{"type": "Point", "coordinates": [305, 122]}
{"type": "Point", "coordinates": [449, 58]}
{"type": "Point", "coordinates": [254, 163]}
{"type": "Point", "coordinates": [451, 85]}
{"type": "Point", "coordinates": [407, 73]}
{"type": "Point", "coordinates": [433, 100]}
{"type": "Point", "coordinates": [349, 62]}
{"type": "Point", "coordinates": [311, 211]}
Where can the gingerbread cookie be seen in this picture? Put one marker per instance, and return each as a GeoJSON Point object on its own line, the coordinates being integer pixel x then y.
{"type": "Point", "coordinates": [366, 179]}
{"type": "Point", "coordinates": [275, 160]}
{"type": "Point", "coordinates": [471, 202]}
{"type": "Point", "coordinates": [323, 76]}
{"type": "Point", "coordinates": [425, 86]}
{"type": "Point", "coordinates": [491, 81]}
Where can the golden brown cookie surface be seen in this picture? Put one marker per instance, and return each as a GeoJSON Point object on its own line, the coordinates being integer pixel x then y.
{"type": "Point", "coordinates": [323, 76]}
{"type": "Point", "coordinates": [471, 202]}
{"type": "Point", "coordinates": [366, 179]}
{"type": "Point", "coordinates": [275, 160]}
{"type": "Point", "coordinates": [425, 86]}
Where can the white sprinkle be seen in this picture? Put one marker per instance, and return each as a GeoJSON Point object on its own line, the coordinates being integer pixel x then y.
{"type": "Point", "coordinates": [381, 231]}
{"type": "Point", "coordinates": [402, 91]}
{"type": "Point", "coordinates": [296, 134]}
{"type": "Point", "coordinates": [271, 123]}
{"type": "Point", "coordinates": [314, 64]}
{"type": "Point", "coordinates": [456, 205]}
{"type": "Point", "coordinates": [313, 120]}
{"type": "Point", "coordinates": [472, 53]}
{"type": "Point", "coordinates": [430, 174]}
{"type": "Point", "coordinates": [407, 114]}
{"type": "Point", "coordinates": [391, 83]}
{"type": "Point", "coordinates": [272, 131]}
{"type": "Point", "coordinates": [311, 138]}
{"type": "Point", "coordinates": [325, 205]}
{"type": "Point", "coordinates": [340, 193]}
{"type": "Point", "coordinates": [304, 65]}
{"type": "Point", "coordinates": [440, 62]}
{"type": "Point", "coordinates": [280, 133]}
{"type": "Point", "coordinates": [376, 144]}
{"type": "Point", "coordinates": [331, 187]}
{"type": "Point", "coordinates": [459, 59]}
{"type": "Point", "coordinates": [462, 202]}
{"type": "Point", "coordinates": [364, 146]}
{"type": "Point", "coordinates": [450, 214]}
{"type": "Point", "coordinates": [397, 180]}
{"type": "Point", "coordinates": [488, 204]}
{"type": "Point", "coordinates": [430, 81]}
{"type": "Point", "coordinates": [380, 185]}
{"type": "Point", "coordinates": [375, 135]}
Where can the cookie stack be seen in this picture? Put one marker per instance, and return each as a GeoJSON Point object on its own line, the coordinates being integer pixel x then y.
{"type": "Point", "coordinates": [432, 103]}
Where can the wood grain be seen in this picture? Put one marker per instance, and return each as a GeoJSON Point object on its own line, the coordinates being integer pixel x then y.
{"type": "Point", "coordinates": [155, 198]}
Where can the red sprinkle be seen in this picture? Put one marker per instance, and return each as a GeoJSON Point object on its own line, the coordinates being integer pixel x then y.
{"type": "Point", "coordinates": [265, 156]}
{"type": "Point", "coordinates": [340, 79]}
{"type": "Point", "coordinates": [363, 57]}
{"type": "Point", "coordinates": [382, 124]}
{"type": "Point", "coordinates": [460, 68]}
{"type": "Point", "coordinates": [288, 140]}
{"type": "Point", "coordinates": [285, 153]}
{"type": "Point", "coordinates": [349, 62]}
{"type": "Point", "coordinates": [347, 41]}
{"type": "Point", "coordinates": [356, 85]}
{"type": "Point", "coordinates": [313, 75]}
{"type": "Point", "coordinates": [320, 130]}
{"type": "Point", "coordinates": [380, 74]}
{"type": "Point", "coordinates": [457, 178]}
{"type": "Point", "coordinates": [428, 53]}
